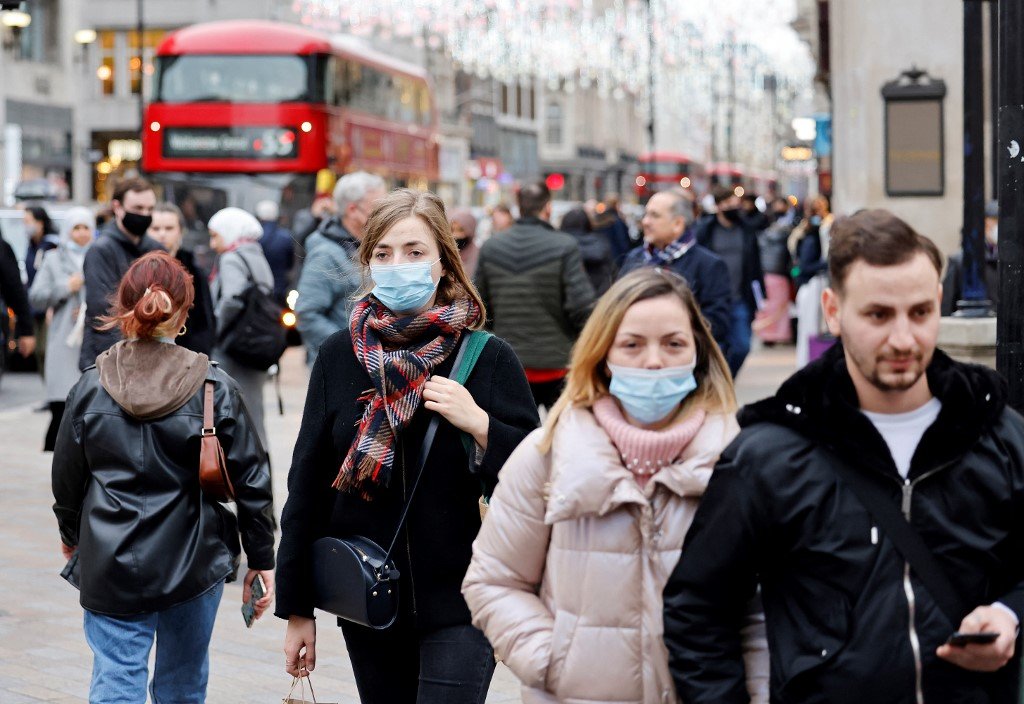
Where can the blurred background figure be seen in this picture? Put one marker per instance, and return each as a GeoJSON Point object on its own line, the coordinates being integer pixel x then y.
{"type": "Point", "coordinates": [42, 237]}
{"type": "Point", "coordinates": [598, 258]}
{"type": "Point", "coordinates": [809, 246]}
{"type": "Point", "coordinates": [278, 247]}
{"type": "Point", "coordinates": [234, 236]}
{"type": "Point", "coordinates": [58, 287]}
{"type": "Point", "coordinates": [616, 231]}
{"type": "Point", "coordinates": [14, 296]}
{"type": "Point", "coordinates": [501, 218]}
{"type": "Point", "coordinates": [168, 228]}
{"type": "Point", "coordinates": [463, 225]}
{"type": "Point", "coordinates": [952, 282]}
{"type": "Point", "coordinates": [772, 322]}
{"type": "Point", "coordinates": [306, 221]}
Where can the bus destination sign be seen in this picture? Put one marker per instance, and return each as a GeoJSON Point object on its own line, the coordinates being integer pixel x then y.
{"type": "Point", "coordinates": [230, 143]}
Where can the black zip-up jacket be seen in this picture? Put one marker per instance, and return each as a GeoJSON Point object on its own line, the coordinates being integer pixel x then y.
{"type": "Point", "coordinates": [841, 625]}
{"type": "Point", "coordinates": [434, 549]}
{"type": "Point", "coordinates": [201, 324]}
{"type": "Point", "coordinates": [704, 231]}
{"type": "Point", "coordinates": [105, 263]}
{"type": "Point", "coordinates": [13, 293]}
{"type": "Point", "coordinates": [127, 495]}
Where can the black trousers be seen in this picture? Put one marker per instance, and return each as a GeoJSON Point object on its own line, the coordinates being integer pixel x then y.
{"type": "Point", "coordinates": [399, 665]}
{"type": "Point", "coordinates": [56, 413]}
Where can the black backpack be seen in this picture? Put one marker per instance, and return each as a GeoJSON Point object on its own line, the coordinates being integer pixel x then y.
{"type": "Point", "coordinates": [256, 338]}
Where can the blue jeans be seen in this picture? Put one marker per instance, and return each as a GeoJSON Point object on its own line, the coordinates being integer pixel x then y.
{"type": "Point", "coordinates": [739, 336]}
{"type": "Point", "coordinates": [121, 645]}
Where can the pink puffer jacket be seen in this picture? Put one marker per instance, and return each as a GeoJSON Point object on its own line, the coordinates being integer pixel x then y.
{"type": "Point", "coordinates": [569, 567]}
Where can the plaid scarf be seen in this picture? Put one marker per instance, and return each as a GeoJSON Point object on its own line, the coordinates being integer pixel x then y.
{"type": "Point", "coordinates": [664, 257]}
{"type": "Point", "coordinates": [399, 353]}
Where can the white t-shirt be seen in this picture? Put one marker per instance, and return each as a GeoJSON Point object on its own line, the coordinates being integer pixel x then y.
{"type": "Point", "coordinates": [902, 432]}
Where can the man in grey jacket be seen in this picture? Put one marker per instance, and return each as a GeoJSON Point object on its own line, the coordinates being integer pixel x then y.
{"type": "Point", "coordinates": [330, 275]}
{"type": "Point", "coordinates": [537, 294]}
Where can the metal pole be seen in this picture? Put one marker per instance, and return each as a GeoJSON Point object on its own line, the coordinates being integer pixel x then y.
{"type": "Point", "coordinates": [139, 33]}
{"type": "Point", "coordinates": [975, 301]}
{"type": "Point", "coordinates": [993, 90]}
{"type": "Point", "coordinates": [651, 63]}
{"type": "Point", "coordinates": [1010, 324]}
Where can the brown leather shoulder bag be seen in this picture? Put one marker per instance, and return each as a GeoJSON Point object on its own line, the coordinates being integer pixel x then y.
{"type": "Point", "coordinates": [213, 468]}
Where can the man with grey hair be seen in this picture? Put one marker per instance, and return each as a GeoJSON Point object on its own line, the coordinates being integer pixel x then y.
{"type": "Point", "coordinates": [330, 275]}
{"type": "Point", "coordinates": [669, 242]}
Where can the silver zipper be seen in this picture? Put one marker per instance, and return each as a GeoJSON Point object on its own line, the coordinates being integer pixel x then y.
{"type": "Point", "coordinates": [908, 588]}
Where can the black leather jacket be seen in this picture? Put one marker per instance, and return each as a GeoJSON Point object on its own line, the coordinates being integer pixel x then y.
{"type": "Point", "coordinates": [127, 494]}
{"type": "Point", "coordinates": [847, 621]}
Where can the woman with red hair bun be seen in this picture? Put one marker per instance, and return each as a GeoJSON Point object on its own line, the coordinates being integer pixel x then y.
{"type": "Point", "coordinates": [148, 551]}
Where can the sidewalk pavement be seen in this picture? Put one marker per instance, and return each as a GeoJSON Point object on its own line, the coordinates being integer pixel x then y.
{"type": "Point", "coordinates": [43, 654]}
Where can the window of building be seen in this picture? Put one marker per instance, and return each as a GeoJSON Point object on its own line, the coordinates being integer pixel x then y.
{"type": "Point", "coordinates": [553, 123]}
{"type": "Point", "coordinates": [38, 42]}
{"type": "Point", "coordinates": [107, 43]}
{"type": "Point", "coordinates": [124, 64]}
{"type": "Point", "coordinates": [506, 99]}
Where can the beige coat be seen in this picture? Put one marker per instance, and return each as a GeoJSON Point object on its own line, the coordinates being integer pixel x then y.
{"type": "Point", "coordinates": [568, 570]}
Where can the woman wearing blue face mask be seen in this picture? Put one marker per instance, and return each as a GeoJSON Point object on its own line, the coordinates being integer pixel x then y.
{"type": "Point", "coordinates": [372, 393]}
{"type": "Point", "coordinates": [58, 287]}
{"type": "Point", "coordinates": [592, 510]}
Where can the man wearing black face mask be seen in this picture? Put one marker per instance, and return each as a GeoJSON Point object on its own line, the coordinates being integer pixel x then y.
{"type": "Point", "coordinates": [121, 242]}
{"type": "Point", "coordinates": [728, 236]}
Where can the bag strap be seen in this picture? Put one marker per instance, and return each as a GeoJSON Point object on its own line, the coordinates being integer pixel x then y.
{"type": "Point", "coordinates": [475, 343]}
{"type": "Point", "coordinates": [428, 440]}
{"type": "Point", "coordinates": [907, 540]}
{"type": "Point", "coordinates": [208, 427]}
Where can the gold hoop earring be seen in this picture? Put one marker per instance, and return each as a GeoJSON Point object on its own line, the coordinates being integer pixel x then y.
{"type": "Point", "coordinates": [182, 331]}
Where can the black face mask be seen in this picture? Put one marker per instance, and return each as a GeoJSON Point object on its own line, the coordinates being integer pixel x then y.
{"type": "Point", "coordinates": [136, 224]}
{"type": "Point", "coordinates": [462, 244]}
{"type": "Point", "coordinates": [732, 214]}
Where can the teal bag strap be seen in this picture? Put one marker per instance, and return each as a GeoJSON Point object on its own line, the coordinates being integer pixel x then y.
{"type": "Point", "coordinates": [475, 344]}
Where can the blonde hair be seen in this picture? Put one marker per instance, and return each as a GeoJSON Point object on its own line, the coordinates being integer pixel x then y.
{"type": "Point", "coordinates": [588, 378]}
{"type": "Point", "coordinates": [405, 203]}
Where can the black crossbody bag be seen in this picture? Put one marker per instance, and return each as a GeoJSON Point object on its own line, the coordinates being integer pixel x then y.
{"type": "Point", "coordinates": [908, 541]}
{"type": "Point", "coordinates": [354, 578]}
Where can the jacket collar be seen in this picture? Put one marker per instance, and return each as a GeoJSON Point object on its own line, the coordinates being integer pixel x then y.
{"type": "Point", "coordinates": [145, 244]}
{"type": "Point", "coordinates": [534, 222]}
{"type": "Point", "coordinates": [333, 230]}
{"type": "Point", "coordinates": [820, 403]}
{"type": "Point", "coordinates": [588, 477]}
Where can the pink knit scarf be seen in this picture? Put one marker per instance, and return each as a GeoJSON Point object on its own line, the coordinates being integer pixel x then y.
{"type": "Point", "coordinates": [644, 452]}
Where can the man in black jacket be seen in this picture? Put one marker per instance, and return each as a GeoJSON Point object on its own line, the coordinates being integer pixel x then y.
{"type": "Point", "coordinates": [536, 292]}
{"type": "Point", "coordinates": [121, 242]}
{"type": "Point", "coordinates": [729, 236]}
{"type": "Point", "coordinates": [848, 618]}
{"type": "Point", "coordinates": [669, 242]}
{"type": "Point", "coordinates": [13, 294]}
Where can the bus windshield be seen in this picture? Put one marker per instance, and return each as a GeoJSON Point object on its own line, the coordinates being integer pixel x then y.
{"type": "Point", "coordinates": [235, 79]}
{"type": "Point", "coordinates": [663, 168]}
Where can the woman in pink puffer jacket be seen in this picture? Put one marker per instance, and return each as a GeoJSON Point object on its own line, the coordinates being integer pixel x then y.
{"type": "Point", "coordinates": [590, 514]}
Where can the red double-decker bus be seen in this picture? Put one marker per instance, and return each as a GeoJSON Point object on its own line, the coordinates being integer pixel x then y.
{"type": "Point", "coordinates": [660, 171]}
{"type": "Point", "coordinates": [247, 110]}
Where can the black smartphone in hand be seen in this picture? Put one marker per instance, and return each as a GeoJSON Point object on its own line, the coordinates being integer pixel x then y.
{"type": "Point", "coordinates": [959, 639]}
{"type": "Point", "coordinates": [249, 607]}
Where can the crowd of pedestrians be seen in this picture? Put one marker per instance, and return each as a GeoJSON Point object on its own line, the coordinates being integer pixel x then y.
{"type": "Point", "coordinates": [541, 428]}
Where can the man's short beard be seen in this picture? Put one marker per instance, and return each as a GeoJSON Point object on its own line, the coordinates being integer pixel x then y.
{"type": "Point", "coordinates": [876, 380]}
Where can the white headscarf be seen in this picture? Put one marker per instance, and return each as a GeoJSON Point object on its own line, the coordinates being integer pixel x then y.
{"type": "Point", "coordinates": [72, 218]}
{"type": "Point", "coordinates": [234, 224]}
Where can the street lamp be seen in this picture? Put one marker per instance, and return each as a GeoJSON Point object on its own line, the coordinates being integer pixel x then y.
{"type": "Point", "coordinates": [85, 36]}
{"type": "Point", "coordinates": [15, 19]}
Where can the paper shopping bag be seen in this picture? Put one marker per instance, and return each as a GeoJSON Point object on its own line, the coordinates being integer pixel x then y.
{"type": "Point", "coordinates": [302, 683]}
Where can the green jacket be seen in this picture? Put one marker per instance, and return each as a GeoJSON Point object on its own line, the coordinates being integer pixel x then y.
{"type": "Point", "coordinates": [537, 294]}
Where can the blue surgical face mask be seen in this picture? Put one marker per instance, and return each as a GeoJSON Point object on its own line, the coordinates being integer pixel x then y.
{"type": "Point", "coordinates": [403, 288]}
{"type": "Point", "coordinates": [650, 395]}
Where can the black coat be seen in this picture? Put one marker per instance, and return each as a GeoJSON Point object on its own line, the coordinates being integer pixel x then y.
{"type": "Point", "coordinates": [200, 327]}
{"type": "Point", "coordinates": [835, 604]}
{"type": "Point", "coordinates": [752, 273]}
{"type": "Point", "coordinates": [13, 292]}
{"type": "Point", "coordinates": [127, 494]}
{"type": "Point", "coordinates": [105, 263]}
{"type": "Point", "coordinates": [434, 549]}
{"type": "Point", "coordinates": [708, 278]}
{"type": "Point", "coordinates": [598, 261]}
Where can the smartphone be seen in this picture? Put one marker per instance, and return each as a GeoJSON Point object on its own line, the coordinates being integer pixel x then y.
{"type": "Point", "coordinates": [249, 607]}
{"type": "Point", "coordinates": [961, 639]}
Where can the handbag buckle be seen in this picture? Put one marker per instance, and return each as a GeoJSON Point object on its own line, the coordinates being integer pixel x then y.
{"type": "Point", "coordinates": [207, 432]}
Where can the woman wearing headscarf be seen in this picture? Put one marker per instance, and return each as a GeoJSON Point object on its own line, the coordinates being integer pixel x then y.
{"type": "Point", "coordinates": [58, 285]}
{"type": "Point", "coordinates": [234, 236]}
{"type": "Point", "coordinates": [464, 229]}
